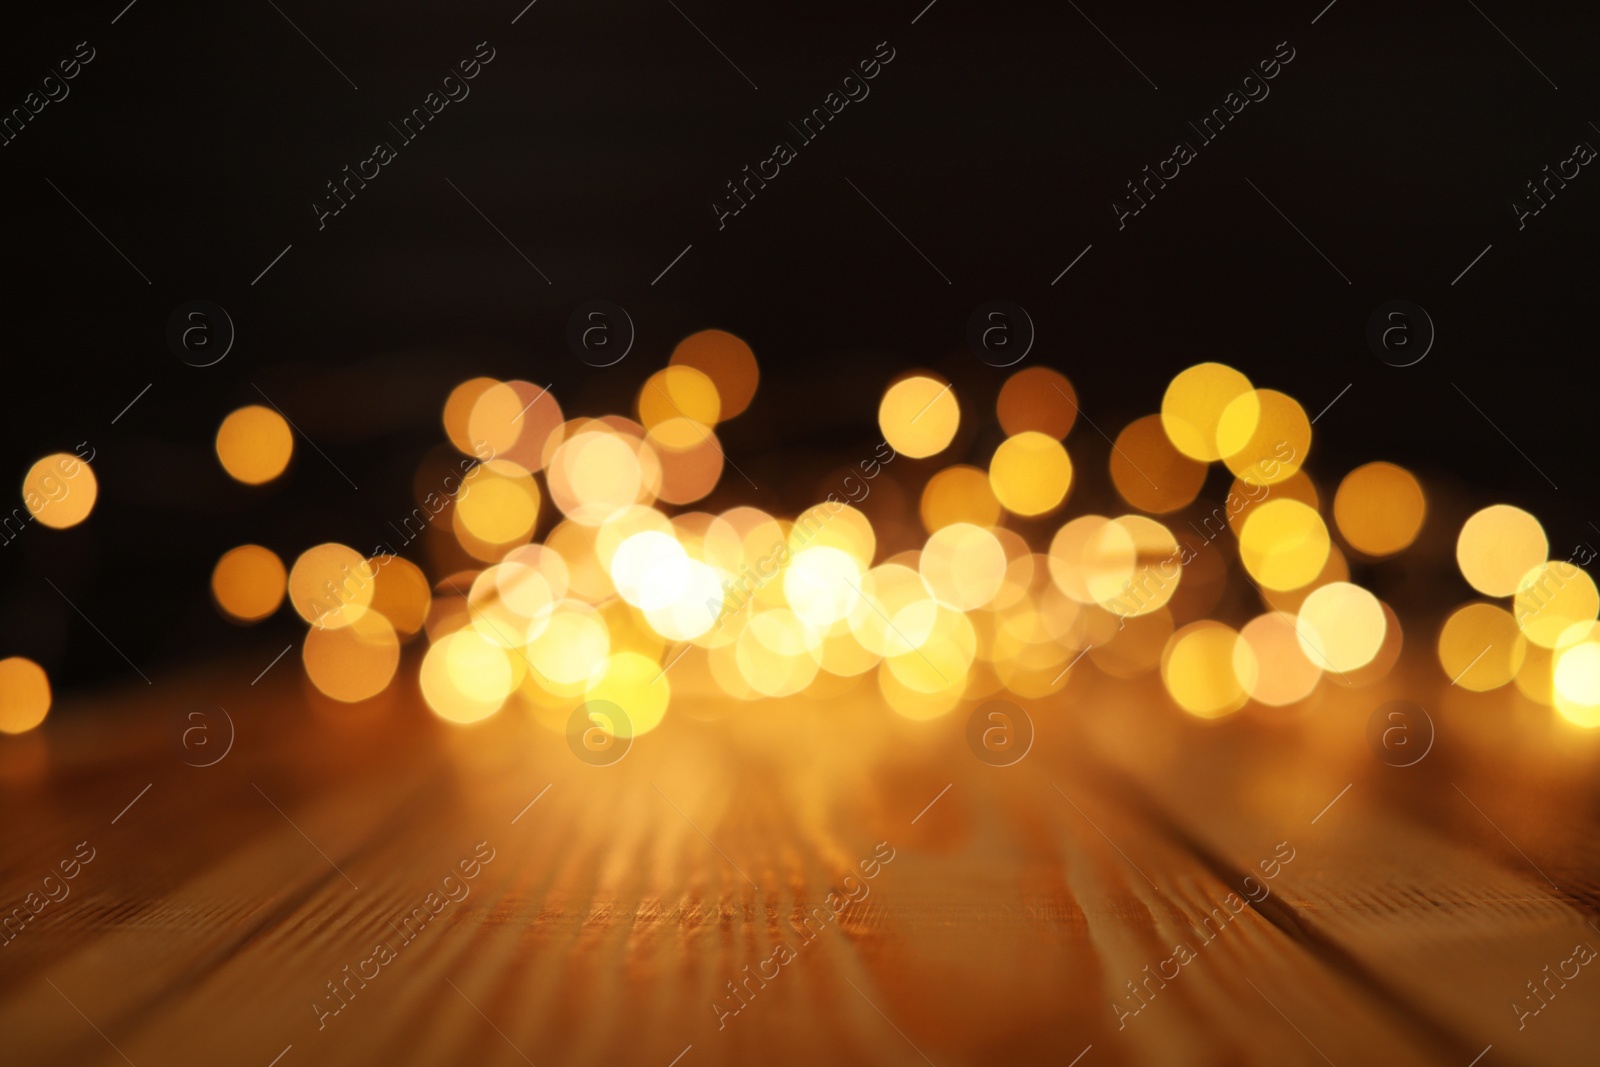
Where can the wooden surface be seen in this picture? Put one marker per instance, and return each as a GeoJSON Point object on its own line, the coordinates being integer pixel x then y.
{"type": "Point", "coordinates": [1006, 928]}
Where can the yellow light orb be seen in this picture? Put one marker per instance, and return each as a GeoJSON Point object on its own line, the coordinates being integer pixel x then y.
{"type": "Point", "coordinates": [1284, 544]}
{"type": "Point", "coordinates": [1264, 437]}
{"type": "Point", "coordinates": [1341, 627]}
{"type": "Point", "coordinates": [1285, 675]}
{"type": "Point", "coordinates": [401, 593]}
{"type": "Point", "coordinates": [821, 585]}
{"type": "Point", "coordinates": [458, 409]}
{"type": "Point", "coordinates": [355, 662]}
{"type": "Point", "coordinates": [1498, 546]}
{"type": "Point", "coordinates": [1039, 399]}
{"type": "Point", "coordinates": [1480, 647]}
{"type": "Point", "coordinates": [330, 585]}
{"type": "Point", "coordinates": [727, 361]}
{"type": "Point", "coordinates": [1551, 599]}
{"type": "Point", "coordinates": [24, 695]}
{"type": "Point", "coordinates": [249, 582]}
{"type": "Point", "coordinates": [60, 490]}
{"type": "Point", "coordinates": [1192, 410]}
{"type": "Point", "coordinates": [1030, 473]}
{"type": "Point", "coordinates": [959, 494]}
{"type": "Point", "coordinates": [1379, 508]}
{"type": "Point", "coordinates": [466, 678]}
{"type": "Point", "coordinates": [919, 416]}
{"type": "Point", "coordinates": [498, 503]}
{"type": "Point", "coordinates": [254, 444]}
{"type": "Point", "coordinates": [635, 683]}
{"type": "Point", "coordinates": [964, 565]}
{"type": "Point", "coordinates": [650, 569]}
{"type": "Point", "coordinates": [1149, 472]}
{"type": "Point", "coordinates": [1576, 684]}
{"type": "Point", "coordinates": [679, 391]}
{"type": "Point", "coordinates": [573, 646]}
{"type": "Point", "coordinates": [1208, 670]}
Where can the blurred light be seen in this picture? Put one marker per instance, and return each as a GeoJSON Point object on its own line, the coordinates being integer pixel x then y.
{"type": "Point", "coordinates": [1030, 473]}
{"type": "Point", "coordinates": [650, 570]}
{"type": "Point", "coordinates": [1208, 670]}
{"type": "Point", "coordinates": [355, 662]}
{"type": "Point", "coordinates": [1551, 599]}
{"type": "Point", "coordinates": [24, 695]}
{"type": "Point", "coordinates": [963, 565]}
{"type": "Point", "coordinates": [513, 421]}
{"type": "Point", "coordinates": [330, 585]}
{"type": "Point", "coordinates": [1284, 674]}
{"type": "Point", "coordinates": [727, 361]}
{"type": "Point", "coordinates": [1149, 472]}
{"type": "Point", "coordinates": [1577, 684]}
{"type": "Point", "coordinates": [821, 585]}
{"type": "Point", "coordinates": [594, 474]}
{"type": "Point", "coordinates": [1341, 627]}
{"type": "Point", "coordinates": [1263, 436]}
{"type": "Point", "coordinates": [1379, 508]}
{"type": "Point", "coordinates": [465, 678]}
{"type": "Point", "coordinates": [1480, 648]}
{"type": "Point", "coordinates": [254, 444]}
{"type": "Point", "coordinates": [1192, 409]}
{"type": "Point", "coordinates": [573, 646]}
{"type": "Point", "coordinates": [458, 409]}
{"type": "Point", "coordinates": [60, 490]}
{"type": "Point", "coordinates": [400, 593]}
{"type": "Point", "coordinates": [638, 686]}
{"type": "Point", "coordinates": [498, 504]}
{"type": "Point", "coordinates": [679, 392]}
{"type": "Point", "coordinates": [1037, 399]}
{"type": "Point", "coordinates": [919, 416]}
{"type": "Point", "coordinates": [1284, 544]}
{"type": "Point", "coordinates": [959, 494]}
{"type": "Point", "coordinates": [249, 582]}
{"type": "Point", "coordinates": [1498, 546]}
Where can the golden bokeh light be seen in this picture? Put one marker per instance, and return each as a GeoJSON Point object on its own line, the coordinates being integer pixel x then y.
{"type": "Point", "coordinates": [1264, 436]}
{"type": "Point", "coordinates": [727, 361]}
{"type": "Point", "coordinates": [458, 408]}
{"type": "Point", "coordinates": [24, 695]}
{"type": "Point", "coordinates": [679, 392]}
{"type": "Point", "coordinates": [249, 582]}
{"type": "Point", "coordinates": [1341, 627]}
{"type": "Point", "coordinates": [1480, 647]}
{"type": "Point", "coordinates": [254, 444]}
{"type": "Point", "coordinates": [400, 593]}
{"type": "Point", "coordinates": [1149, 472]}
{"type": "Point", "coordinates": [1379, 508]}
{"type": "Point", "coordinates": [1037, 399]}
{"type": "Point", "coordinates": [512, 421]}
{"type": "Point", "coordinates": [1554, 604]}
{"type": "Point", "coordinates": [919, 416]}
{"type": "Point", "coordinates": [636, 684]}
{"type": "Point", "coordinates": [1193, 406]}
{"type": "Point", "coordinates": [355, 662]}
{"type": "Point", "coordinates": [1284, 544]}
{"type": "Point", "coordinates": [959, 494]}
{"type": "Point", "coordinates": [466, 678]}
{"type": "Point", "coordinates": [1208, 670]}
{"type": "Point", "coordinates": [1575, 684]}
{"type": "Point", "coordinates": [963, 565]}
{"type": "Point", "coordinates": [1498, 546]}
{"type": "Point", "coordinates": [331, 585]}
{"type": "Point", "coordinates": [60, 490]}
{"type": "Point", "coordinates": [1030, 473]}
{"type": "Point", "coordinates": [1284, 674]}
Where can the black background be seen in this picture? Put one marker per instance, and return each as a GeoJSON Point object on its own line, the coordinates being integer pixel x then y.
{"type": "Point", "coordinates": [597, 139]}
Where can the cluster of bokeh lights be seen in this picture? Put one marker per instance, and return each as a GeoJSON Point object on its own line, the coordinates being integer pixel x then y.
{"type": "Point", "coordinates": [634, 596]}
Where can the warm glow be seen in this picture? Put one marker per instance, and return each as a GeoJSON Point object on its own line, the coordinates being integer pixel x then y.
{"type": "Point", "coordinates": [1379, 508]}
{"type": "Point", "coordinates": [1149, 472]}
{"type": "Point", "coordinates": [24, 695]}
{"type": "Point", "coordinates": [1341, 627]}
{"type": "Point", "coordinates": [249, 582]}
{"type": "Point", "coordinates": [1498, 546]}
{"type": "Point", "coordinates": [727, 361]}
{"type": "Point", "coordinates": [355, 662]}
{"type": "Point", "coordinates": [1030, 473]}
{"type": "Point", "coordinates": [1038, 399]}
{"type": "Point", "coordinates": [1480, 648]}
{"type": "Point", "coordinates": [330, 585]}
{"type": "Point", "coordinates": [1208, 670]}
{"type": "Point", "coordinates": [919, 416]}
{"type": "Point", "coordinates": [60, 490]}
{"type": "Point", "coordinates": [1192, 410]}
{"type": "Point", "coordinates": [1284, 544]}
{"type": "Point", "coordinates": [254, 444]}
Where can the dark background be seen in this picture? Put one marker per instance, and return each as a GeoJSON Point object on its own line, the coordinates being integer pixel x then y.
{"type": "Point", "coordinates": [596, 140]}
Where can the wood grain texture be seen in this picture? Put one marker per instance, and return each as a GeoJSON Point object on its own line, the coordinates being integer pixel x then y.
{"type": "Point", "coordinates": [1019, 921]}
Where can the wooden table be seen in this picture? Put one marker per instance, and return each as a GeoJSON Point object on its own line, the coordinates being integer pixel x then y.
{"type": "Point", "coordinates": [1020, 908]}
